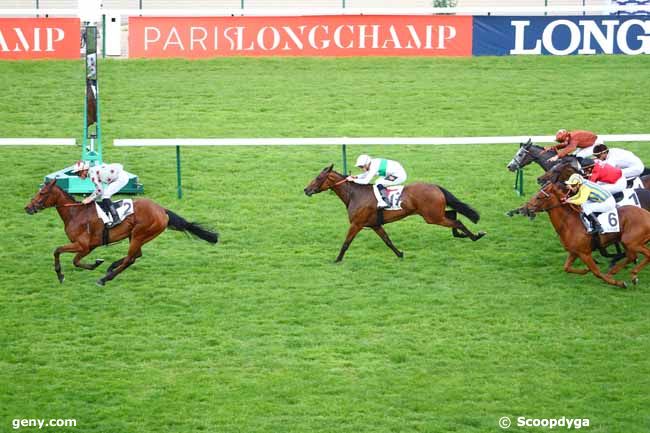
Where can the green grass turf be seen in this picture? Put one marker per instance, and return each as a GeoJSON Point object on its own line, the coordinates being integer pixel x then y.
{"type": "Point", "coordinates": [263, 333]}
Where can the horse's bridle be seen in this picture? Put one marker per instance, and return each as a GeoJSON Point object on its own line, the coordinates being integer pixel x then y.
{"type": "Point", "coordinates": [519, 156]}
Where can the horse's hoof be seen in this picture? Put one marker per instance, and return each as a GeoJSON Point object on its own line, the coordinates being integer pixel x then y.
{"type": "Point", "coordinates": [400, 255]}
{"type": "Point", "coordinates": [61, 278]}
{"type": "Point", "coordinates": [623, 285]}
{"type": "Point", "coordinates": [101, 282]}
{"type": "Point", "coordinates": [635, 280]}
{"type": "Point", "coordinates": [99, 262]}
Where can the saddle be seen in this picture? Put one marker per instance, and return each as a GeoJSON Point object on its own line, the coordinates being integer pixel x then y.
{"type": "Point", "coordinates": [124, 208]}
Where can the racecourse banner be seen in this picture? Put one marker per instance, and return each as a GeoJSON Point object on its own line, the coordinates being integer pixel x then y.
{"type": "Point", "coordinates": [561, 35]}
{"type": "Point", "coordinates": [39, 38]}
{"type": "Point", "coordinates": [363, 35]}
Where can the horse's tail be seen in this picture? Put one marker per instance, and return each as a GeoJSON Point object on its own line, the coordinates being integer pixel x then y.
{"type": "Point", "coordinates": [461, 207]}
{"type": "Point", "coordinates": [179, 223]}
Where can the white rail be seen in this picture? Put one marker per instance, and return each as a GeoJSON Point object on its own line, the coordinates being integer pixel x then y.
{"type": "Point", "coordinates": [500, 10]}
{"type": "Point", "coordinates": [434, 141]}
{"type": "Point", "coordinates": [37, 142]}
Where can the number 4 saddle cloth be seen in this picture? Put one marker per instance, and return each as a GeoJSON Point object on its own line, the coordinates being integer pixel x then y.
{"type": "Point", "coordinates": [124, 208]}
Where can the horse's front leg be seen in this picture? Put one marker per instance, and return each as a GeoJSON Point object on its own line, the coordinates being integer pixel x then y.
{"type": "Point", "coordinates": [69, 248]}
{"type": "Point", "coordinates": [588, 260]}
{"type": "Point", "coordinates": [78, 263]}
{"type": "Point", "coordinates": [352, 232]}
{"type": "Point", "coordinates": [568, 265]}
{"type": "Point", "coordinates": [384, 237]}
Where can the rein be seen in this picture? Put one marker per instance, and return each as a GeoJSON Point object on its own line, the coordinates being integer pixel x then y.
{"type": "Point", "coordinates": [340, 182]}
{"type": "Point", "coordinates": [71, 204]}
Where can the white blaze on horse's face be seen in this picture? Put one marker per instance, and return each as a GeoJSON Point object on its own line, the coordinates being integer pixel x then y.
{"type": "Point", "coordinates": [515, 164]}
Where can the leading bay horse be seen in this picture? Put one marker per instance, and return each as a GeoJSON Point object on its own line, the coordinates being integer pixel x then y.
{"type": "Point", "coordinates": [426, 200]}
{"type": "Point", "coordinates": [634, 233]}
{"type": "Point", "coordinates": [84, 228]}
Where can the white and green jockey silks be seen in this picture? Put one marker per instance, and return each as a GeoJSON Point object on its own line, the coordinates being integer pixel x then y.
{"type": "Point", "coordinates": [383, 163]}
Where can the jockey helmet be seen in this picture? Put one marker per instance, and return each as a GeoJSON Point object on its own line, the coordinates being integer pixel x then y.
{"type": "Point", "coordinates": [575, 179]}
{"type": "Point", "coordinates": [600, 149]}
{"type": "Point", "coordinates": [587, 163]}
{"type": "Point", "coordinates": [363, 160]}
{"type": "Point", "coordinates": [561, 135]}
{"type": "Point", "coordinates": [80, 166]}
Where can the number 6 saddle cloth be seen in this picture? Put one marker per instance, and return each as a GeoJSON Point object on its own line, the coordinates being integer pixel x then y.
{"type": "Point", "coordinates": [608, 221]}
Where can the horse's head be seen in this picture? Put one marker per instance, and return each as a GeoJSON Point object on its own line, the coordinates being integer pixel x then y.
{"type": "Point", "coordinates": [548, 197]}
{"type": "Point", "coordinates": [561, 171]}
{"type": "Point", "coordinates": [523, 157]}
{"type": "Point", "coordinates": [321, 183]}
{"type": "Point", "coordinates": [43, 199]}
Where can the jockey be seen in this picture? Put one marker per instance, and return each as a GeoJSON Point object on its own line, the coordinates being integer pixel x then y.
{"type": "Point", "coordinates": [609, 177]}
{"type": "Point", "coordinates": [570, 141]}
{"type": "Point", "coordinates": [592, 197]}
{"type": "Point", "coordinates": [631, 165]}
{"type": "Point", "coordinates": [112, 175]}
{"type": "Point", "coordinates": [389, 172]}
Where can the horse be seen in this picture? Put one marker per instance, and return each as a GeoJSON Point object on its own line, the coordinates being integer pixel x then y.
{"type": "Point", "coordinates": [634, 233]}
{"type": "Point", "coordinates": [562, 171]}
{"type": "Point", "coordinates": [426, 200]}
{"type": "Point", "coordinates": [529, 153]}
{"type": "Point", "coordinates": [85, 229]}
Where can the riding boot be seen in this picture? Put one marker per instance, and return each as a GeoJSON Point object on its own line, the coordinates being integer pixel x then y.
{"type": "Point", "coordinates": [384, 196]}
{"type": "Point", "coordinates": [595, 225]}
{"type": "Point", "coordinates": [109, 207]}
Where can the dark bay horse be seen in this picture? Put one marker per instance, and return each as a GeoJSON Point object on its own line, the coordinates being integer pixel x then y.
{"type": "Point", "coordinates": [84, 228]}
{"type": "Point", "coordinates": [634, 233]}
{"type": "Point", "coordinates": [426, 200]}
{"type": "Point", "coordinates": [529, 153]}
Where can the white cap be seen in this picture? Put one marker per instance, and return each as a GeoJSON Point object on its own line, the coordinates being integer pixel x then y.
{"type": "Point", "coordinates": [80, 166]}
{"type": "Point", "coordinates": [362, 161]}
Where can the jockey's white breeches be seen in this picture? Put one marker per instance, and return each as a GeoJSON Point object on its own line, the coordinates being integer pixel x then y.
{"type": "Point", "coordinates": [633, 171]}
{"type": "Point", "coordinates": [396, 178]}
{"type": "Point", "coordinates": [613, 188]}
{"type": "Point", "coordinates": [115, 186]}
{"type": "Point", "coordinates": [590, 207]}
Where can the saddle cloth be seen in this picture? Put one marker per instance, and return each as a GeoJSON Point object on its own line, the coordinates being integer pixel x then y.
{"type": "Point", "coordinates": [124, 208]}
{"type": "Point", "coordinates": [627, 197]}
{"type": "Point", "coordinates": [635, 183]}
{"type": "Point", "coordinates": [394, 194]}
{"type": "Point", "coordinates": [608, 221]}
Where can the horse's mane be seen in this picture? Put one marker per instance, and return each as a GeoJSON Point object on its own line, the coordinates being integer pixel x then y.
{"type": "Point", "coordinates": [66, 193]}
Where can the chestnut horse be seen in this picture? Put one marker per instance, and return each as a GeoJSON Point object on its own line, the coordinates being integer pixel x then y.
{"type": "Point", "coordinates": [426, 200]}
{"type": "Point", "coordinates": [634, 233]}
{"type": "Point", "coordinates": [84, 228]}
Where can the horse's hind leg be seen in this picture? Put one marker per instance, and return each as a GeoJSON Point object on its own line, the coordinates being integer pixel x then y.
{"type": "Point", "coordinates": [118, 262]}
{"type": "Point", "coordinates": [455, 226]}
{"type": "Point", "coordinates": [646, 252]}
{"type": "Point", "coordinates": [452, 215]}
{"type": "Point", "coordinates": [384, 237]}
{"type": "Point", "coordinates": [135, 251]}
